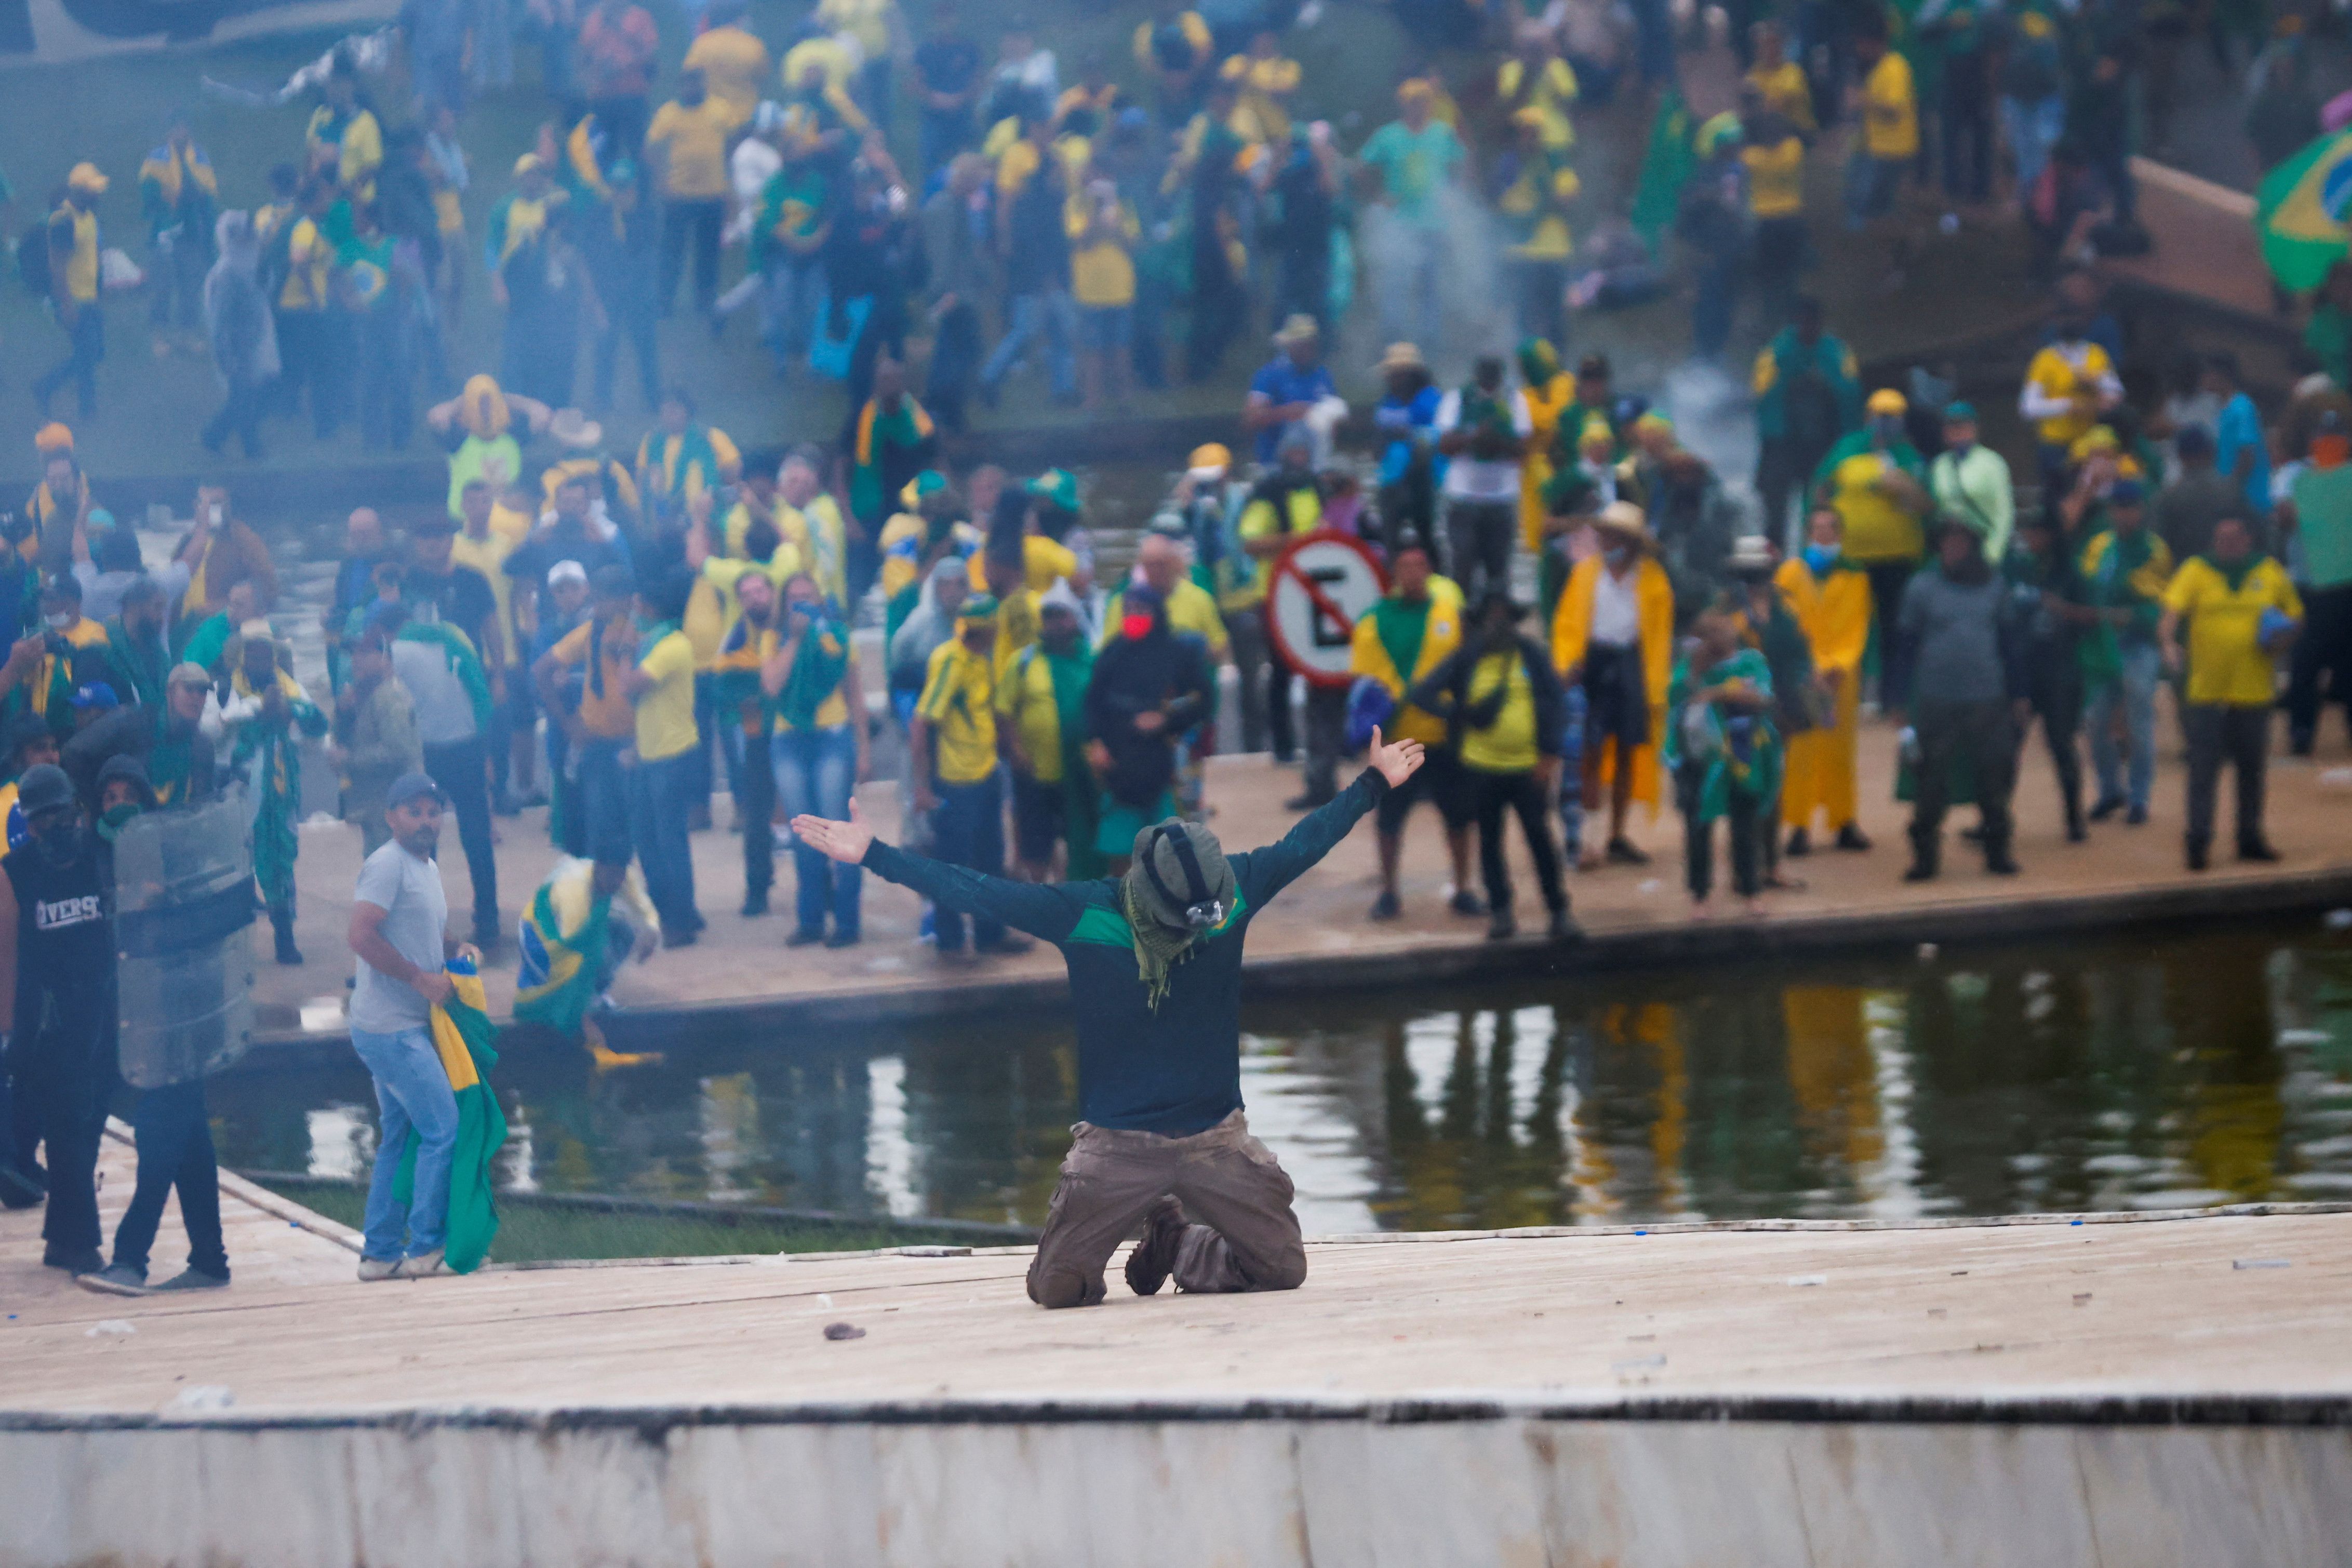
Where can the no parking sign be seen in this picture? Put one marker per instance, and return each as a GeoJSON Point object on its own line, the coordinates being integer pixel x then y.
{"type": "Point", "coordinates": [1323, 584]}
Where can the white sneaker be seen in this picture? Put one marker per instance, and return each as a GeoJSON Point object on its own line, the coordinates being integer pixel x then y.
{"type": "Point", "coordinates": [374, 1269]}
{"type": "Point", "coordinates": [423, 1266]}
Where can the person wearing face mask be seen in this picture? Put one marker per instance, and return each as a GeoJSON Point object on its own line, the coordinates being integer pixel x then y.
{"type": "Point", "coordinates": [1829, 597]}
{"type": "Point", "coordinates": [1505, 713]}
{"type": "Point", "coordinates": [816, 705]}
{"type": "Point", "coordinates": [952, 746]}
{"type": "Point", "coordinates": [57, 991]}
{"type": "Point", "coordinates": [1614, 634]}
{"type": "Point", "coordinates": [1875, 483]}
{"type": "Point", "coordinates": [1150, 683]}
{"type": "Point", "coordinates": [172, 1128]}
{"type": "Point", "coordinates": [1155, 967]}
{"type": "Point", "coordinates": [1970, 480]}
{"type": "Point", "coordinates": [72, 655]}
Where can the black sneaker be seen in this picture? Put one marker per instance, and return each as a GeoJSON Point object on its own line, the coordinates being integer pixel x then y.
{"type": "Point", "coordinates": [192, 1280]}
{"type": "Point", "coordinates": [1623, 852]}
{"type": "Point", "coordinates": [842, 939]}
{"type": "Point", "coordinates": [2199, 857]}
{"type": "Point", "coordinates": [804, 936]}
{"type": "Point", "coordinates": [1999, 862]}
{"type": "Point", "coordinates": [1387, 907]}
{"type": "Point", "coordinates": [1154, 1258]}
{"type": "Point", "coordinates": [755, 904]}
{"type": "Point", "coordinates": [1920, 871]}
{"type": "Point", "coordinates": [1500, 926]}
{"type": "Point", "coordinates": [2136, 818]}
{"type": "Point", "coordinates": [1466, 902]}
{"type": "Point", "coordinates": [73, 1260]}
{"type": "Point", "coordinates": [2107, 806]}
{"type": "Point", "coordinates": [1563, 928]}
{"type": "Point", "coordinates": [2257, 850]}
{"type": "Point", "coordinates": [1799, 845]}
{"type": "Point", "coordinates": [1852, 839]}
{"type": "Point", "coordinates": [18, 1190]}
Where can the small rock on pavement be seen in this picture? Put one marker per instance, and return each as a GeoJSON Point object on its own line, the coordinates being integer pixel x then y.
{"type": "Point", "coordinates": [107, 1326]}
{"type": "Point", "coordinates": [843, 1331]}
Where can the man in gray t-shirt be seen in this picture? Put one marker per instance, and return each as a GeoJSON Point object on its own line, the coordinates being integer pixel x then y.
{"type": "Point", "coordinates": [399, 921]}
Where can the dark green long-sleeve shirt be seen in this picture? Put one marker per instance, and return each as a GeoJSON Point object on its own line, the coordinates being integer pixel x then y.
{"type": "Point", "coordinates": [1176, 1069]}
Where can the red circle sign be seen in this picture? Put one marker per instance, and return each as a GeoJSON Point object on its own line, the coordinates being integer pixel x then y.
{"type": "Point", "coordinates": [1323, 583]}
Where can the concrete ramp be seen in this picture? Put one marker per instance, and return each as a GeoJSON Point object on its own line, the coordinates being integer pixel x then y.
{"type": "Point", "coordinates": [2131, 1392]}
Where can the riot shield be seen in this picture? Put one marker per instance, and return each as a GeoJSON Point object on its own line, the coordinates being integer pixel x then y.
{"type": "Point", "coordinates": [183, 897]}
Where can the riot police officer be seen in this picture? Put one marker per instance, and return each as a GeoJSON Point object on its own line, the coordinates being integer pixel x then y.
{"type": "Point", "coordinates": [58, 988]}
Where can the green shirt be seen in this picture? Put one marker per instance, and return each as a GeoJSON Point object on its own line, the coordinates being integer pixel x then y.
{"type": "Point", "coordinates": [1415, 165]}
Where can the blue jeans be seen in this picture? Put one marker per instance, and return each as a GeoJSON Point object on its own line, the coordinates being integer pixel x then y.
{"type": "Point", "coordinates": [788, 309]}
{"type": "Point", "coordinates": [659, 794]}
{"type": "Point", "coordinates": [176, 1149]}
{"type": "Point", "coordinates": [1050, 315]}
{"type": "Point", "coordinates": [816, 769]}
{"type": "Point", "coordinates": [2032, 130]}
{"type": "Point", "coordinates": [969, 831]}
{"type": "Point", "coordinates": [2135, 690]}
{"type": "Point", "coordinates": [602, 794]}
{"type": "Point", "coordinates": [412, 1095]}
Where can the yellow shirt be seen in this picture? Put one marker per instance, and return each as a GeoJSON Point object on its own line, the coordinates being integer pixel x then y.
{"type": "Point", "coordinates": [1875, 527]}
{"type": "Point", "coordinates": [822, 51]}
{"type": "Point", "coordinates": [834, 711]}
{"type": "Point", "coordinates": [81, 263]}
{"type": "Point", "coordinates": [2227, 662]}
{"type": "Point", "coordinates": [665, 726]}
{"type": "Point", "coordinates": [1776, 179]}
{"type": "Point", "coordinates": [1102, 274]}
{"type": "Point", "coordinates": [1024, 699]}
{"type": "Point", "coordinates": [1890, 110]}
{"type": "Point", "coordinates": [1785, 91]}
{"type": "Point", "coordinates": [309, 257]}
{"type": "Point", "coordinates": [1441, 634]}
{"type": "Point", "coordinates": [696, 140]}
{"type": "Point", "coordinates": [1509, 745]}
{"type": "Point", "coordinates": [488, 556]}
{"type": "Point", "coordinates": [721, 574]}
{"type": "Point", "coordinates": [959, 702]}
{"type": "Point", "coordinates": [2054, 376]}
{"type": "Point", "coordinates": [1540, 194]}
{"type": "Point", "coordinates": [1552, 92]}
{"type": "Point", "coordinates": [611, 716]}
{"type": "Point", "coordinates": [1016, 630]}
{"type": "Point", "coordinates": [1189, 609]}
{"type": "Point", "coordinates": [1043, 563]}
{"type": "Point", "coordinates": [734, 66]}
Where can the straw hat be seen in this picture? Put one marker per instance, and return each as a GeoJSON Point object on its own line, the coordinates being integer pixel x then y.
{"type": "Point", "coordinates": [86, 177]}
{"type": "Point", "coordinates": [1297, 328]}
{"type": "Point", "coordinates": [1625, 519]}
{"type": "Point", "coordinates": [1401, 357]}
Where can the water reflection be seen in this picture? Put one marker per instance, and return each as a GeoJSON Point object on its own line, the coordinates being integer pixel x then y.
{"type": "Point", "coordinates": [2198, 1071]}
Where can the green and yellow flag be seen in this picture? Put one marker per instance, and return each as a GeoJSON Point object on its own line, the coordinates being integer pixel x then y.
{"type": "Point", "coordinates": [2300, 210]}
{"type": "Point", "coordinates": [462, 1034]}
{"type": "Point", "coordinates": [1666, 168]}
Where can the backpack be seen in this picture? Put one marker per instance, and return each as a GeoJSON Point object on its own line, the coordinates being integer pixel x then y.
{"type": "Point", "coordinates": [32, 258]}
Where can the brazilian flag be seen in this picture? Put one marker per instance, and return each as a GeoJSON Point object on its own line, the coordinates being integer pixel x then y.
{"type": "Point", "coordinates": [2300, 210]}
{"type": "Point", "coordinates": [462, 1034]}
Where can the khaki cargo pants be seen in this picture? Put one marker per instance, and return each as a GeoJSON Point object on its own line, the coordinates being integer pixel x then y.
{"type": "Point", "coordinates": [1243, 1236]}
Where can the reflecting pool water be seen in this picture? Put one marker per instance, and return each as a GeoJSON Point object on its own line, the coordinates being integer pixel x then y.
{"type": "Point", "coordinates": [2188, 1071]}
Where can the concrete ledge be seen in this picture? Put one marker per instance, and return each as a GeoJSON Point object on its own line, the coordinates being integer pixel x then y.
{"type": "Point", "coordinates": [1271, 1487]}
